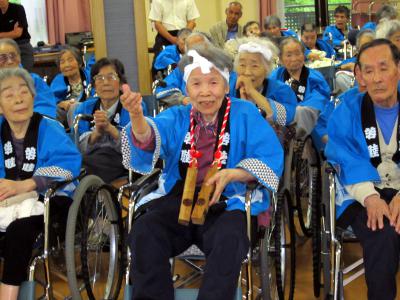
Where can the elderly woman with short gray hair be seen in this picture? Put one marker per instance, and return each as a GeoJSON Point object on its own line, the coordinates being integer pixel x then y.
{"type": "Point", "coordinates": [390, 30]}
{"type": "Point", "coordinates": [10, 57]}
{"type": "Point", "coordinates": [215, 141]}
{"type": "Point", "coordinates": [254, 62]}
{"type": "Point", "coordinates": [35, 151]}
{"type": "Point", "coordinates": [72, 85]}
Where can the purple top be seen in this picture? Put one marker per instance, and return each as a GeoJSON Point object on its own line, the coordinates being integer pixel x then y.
{"type": "Point", "coordinates": [205, 135]}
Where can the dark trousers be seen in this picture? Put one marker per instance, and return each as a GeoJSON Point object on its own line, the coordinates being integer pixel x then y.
{"type": "Point", "coordinates": [20, 237]}
{"type": "Point", "coordinates": [381, 250]}
{"type": "Point", "coordinates": [156, 236]}
{"type": "Point", "coordinates": [160, 41]}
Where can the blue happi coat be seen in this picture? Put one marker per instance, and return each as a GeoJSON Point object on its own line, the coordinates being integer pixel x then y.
{"type": "Point", "coordinates": [347, 149]}
{"type": "Point", "coordinates": [317, 91]}
{"type": "Point", "coordinates": [44, 102]}
{"type": "Point", "coordinates": [170, 55]}
{"type": "Point", "coordinates": [282, 99]}
{"type": "Point", "coordinates": [61, 89]}
{"type": "Point", "coordinates": [369, 25]}
{"type": "Point", "coordinates": [289, 32]}
{"type": "Point", "coordinates": [57, 156]}
{"type": "Point", "coordinates": [323, 46]}
{"type": "Point", "coordinates": [87, 107]}
{"type": "Point", "coordinates": [253, 147]}
{"type": "Point", "coordinates": [337, 35]}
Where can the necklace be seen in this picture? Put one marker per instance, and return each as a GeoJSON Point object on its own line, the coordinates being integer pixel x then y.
{"type": "Point", "coordinates": [201, 207]}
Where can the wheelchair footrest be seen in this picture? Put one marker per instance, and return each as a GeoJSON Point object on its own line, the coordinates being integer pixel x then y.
{"type": "Point", "coordinates": [27, 290]}
{"type": "Point", "coordinates": [191, 294]}
{"type": "Point", "coordinates": [180, 294]}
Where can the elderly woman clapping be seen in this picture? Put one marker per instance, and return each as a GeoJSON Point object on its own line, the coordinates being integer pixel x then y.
{"type": "Point", "coordinates": [35, 151]}
{"type": "Point", "coordinates": [99, 141]}
{"type": "Point", "coordinates": [253, 64]}
{"type": "Point", "coordinates": [216, 140]}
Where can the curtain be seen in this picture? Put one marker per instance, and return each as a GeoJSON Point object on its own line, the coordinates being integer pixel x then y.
{"type": "Point", "coordinates": [65, 16]}
{"type": "Point", "coordinates": [36, 17]}
{"type": "Point", "coordinates": [267, 8]}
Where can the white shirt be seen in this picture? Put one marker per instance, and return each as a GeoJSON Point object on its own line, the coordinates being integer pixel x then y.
{"type": "Point", "coordinates": [173, 14]}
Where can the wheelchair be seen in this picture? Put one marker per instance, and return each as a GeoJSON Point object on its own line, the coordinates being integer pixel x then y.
{"type": "Point", "coordinates": [266, 257]}
{"type": "Point", "coordinates": [49, 245]}
{"type": "Point", "coordinates": [330, 274]}
{"type": "Point", "coordinates": [95, 253]}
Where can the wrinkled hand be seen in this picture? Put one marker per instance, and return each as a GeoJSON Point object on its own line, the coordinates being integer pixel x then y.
{"type": "Point", "coordinates": [101, 120]}
{"type": "Point", "coordinates": [225, 176]}
{"type": "Point", "coordinates": [313, 56]}
{"type": "Point", "coordinates": [245, 86]}
{"type": "Point", "coordinates": [9, 188]}
{"type": "Point", "coordinates": [66, 104]}
{"type": "Point", "coordinates": [394, 207]}
{"type": "Point", "coordinates": [131, 101]}
{"type": "Point", "coordinates": [376, 210]}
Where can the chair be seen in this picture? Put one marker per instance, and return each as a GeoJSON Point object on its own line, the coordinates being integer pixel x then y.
{"type": "Point", "coordinates": [43, 248]}
{"type": "Point", "coordinates": [265, 254]}
{"type": "Point", "coordinates": [328, 245]}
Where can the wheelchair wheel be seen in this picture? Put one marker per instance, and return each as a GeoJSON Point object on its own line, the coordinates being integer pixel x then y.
{"type": "Point", "coordinates": [267, 272]}
{"type": "Point", "coordinates": [321, 240]}
{"type": "Point", "coordinates": [316, 241]}
{"type": "Point", "coordinates": [306, 182]}
{"type": "Point", "coordinates": [83, 195]}
{"type": "Point", "coordinates": [102, 250]}
{"type": "Point", "coordinates": [285, 247]}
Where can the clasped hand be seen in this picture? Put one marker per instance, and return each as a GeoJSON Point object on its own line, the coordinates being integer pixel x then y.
{"type": "Point", "coordinates": [377, 209]}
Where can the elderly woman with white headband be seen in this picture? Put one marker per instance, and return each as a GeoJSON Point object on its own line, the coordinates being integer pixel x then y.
{"type": "Point", "coordinates": [253, 64]}
{"type": "Point", "coordinates": [215, 141]}
{"type": "Point", "coordinates": [309, 85]}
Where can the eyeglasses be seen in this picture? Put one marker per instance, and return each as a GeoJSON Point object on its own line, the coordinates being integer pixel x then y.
{"type": "Point", "coordinates": [101, 78]}
{"type": "Point", "coordinates": [5, 57]}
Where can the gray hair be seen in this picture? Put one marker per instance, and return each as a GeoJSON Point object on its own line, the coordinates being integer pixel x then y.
{"type": "Point", "coordinates": [361, 34]}
{"type": "Point", "coordinates": [76, 53]}
{"type": "Point", "coordinates": [12, 43]}
{"type": "Point", "coordinates": [387, 28]}
{"type": "Point", "coordinates": [207, 40]}
{"type": "Point", "coordinates": [272, 20]}
{"type": "Point", "coordinates": [386, 11]}
{"type": "Point", "coordinates": [264, 43]}
{"type": "Point", "coordinates": [6, 73]}
{"type": "Point", "coordinates": [216, 56]}
{"type": "Point", "coordinates": [288, 40]}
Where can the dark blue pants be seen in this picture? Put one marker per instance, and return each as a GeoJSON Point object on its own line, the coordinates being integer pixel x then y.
{"type": "Point", "coordinates": [381, 250]}
{"type": "Point", "coordinates": [156, 236]}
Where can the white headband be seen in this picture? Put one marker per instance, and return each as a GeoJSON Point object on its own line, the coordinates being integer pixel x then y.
{"type": "Point", "coordinates": [253, 47]}
{"type": "Point", "coordinates": [204, 64]}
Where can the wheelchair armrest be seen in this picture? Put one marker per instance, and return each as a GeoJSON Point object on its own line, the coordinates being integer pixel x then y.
{"type": "Point", "coordinates": [146, 179]}
{"type": "Point", "coordinates": [56, 185]}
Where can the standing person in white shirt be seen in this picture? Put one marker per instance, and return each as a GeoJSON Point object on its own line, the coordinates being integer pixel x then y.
{"type": "Point", "coordinates": [169, 16]}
